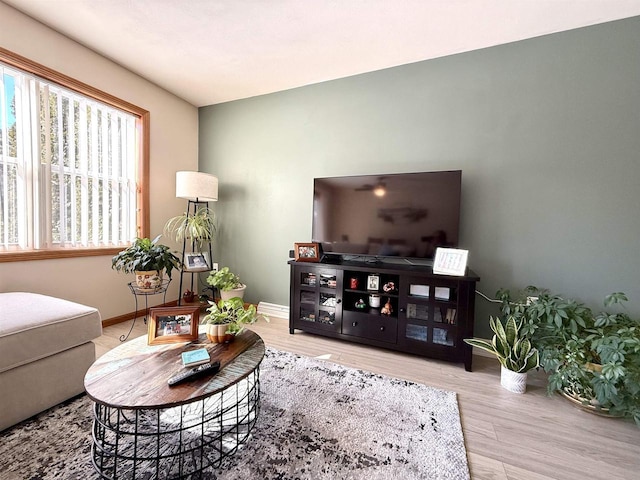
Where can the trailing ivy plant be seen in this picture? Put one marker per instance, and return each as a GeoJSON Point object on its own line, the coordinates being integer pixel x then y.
{"type": "Point", "coordinates": [224, 279]}
{"type": "Point", "coordinates": [234, 313]}
{"type": "Point", "coordinates": [591, 356]}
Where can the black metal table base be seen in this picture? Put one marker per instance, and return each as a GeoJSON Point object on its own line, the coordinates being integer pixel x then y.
{"type": "Point", "coordinates": [175, 442]}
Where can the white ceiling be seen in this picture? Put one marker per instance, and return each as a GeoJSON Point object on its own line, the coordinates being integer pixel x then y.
{"type": "Point", "coordinates": [213, 51]}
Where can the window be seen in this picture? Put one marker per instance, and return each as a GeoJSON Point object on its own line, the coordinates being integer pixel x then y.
{"type": "Point", "coordinates": [73, 165]}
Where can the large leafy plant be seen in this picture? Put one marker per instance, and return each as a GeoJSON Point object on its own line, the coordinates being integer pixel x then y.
{"type": "Point", "coordinates": [591, 356]}
{"type": "Point", "coordinates": [145, 255]}
{"type": "Point", "coordinates": [514, 352]}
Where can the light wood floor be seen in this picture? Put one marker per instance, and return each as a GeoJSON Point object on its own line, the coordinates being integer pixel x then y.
{"type": "Point", "coordinates": [508, 436]}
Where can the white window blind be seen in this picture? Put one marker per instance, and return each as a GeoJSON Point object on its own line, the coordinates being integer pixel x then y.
{"type": "Point", "coordinates": [67, 167]}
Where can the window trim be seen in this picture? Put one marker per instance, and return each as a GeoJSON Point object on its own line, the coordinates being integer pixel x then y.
{"type": "Point", "coordinates": [143, 222]}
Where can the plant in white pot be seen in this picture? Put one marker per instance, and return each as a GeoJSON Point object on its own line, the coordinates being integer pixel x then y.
{"type": "Point", "coordinates": [228, 318]}
{"type": "Point", "coordinates": [514, 352]}
{"type": "Point", "coordinates": [227, 282]}
{"type": "Point", "coordinates": [148, 260]}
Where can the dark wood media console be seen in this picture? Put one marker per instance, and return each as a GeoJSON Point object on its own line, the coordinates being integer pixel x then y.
{"type": "Point", "coordinates": [429, 314]}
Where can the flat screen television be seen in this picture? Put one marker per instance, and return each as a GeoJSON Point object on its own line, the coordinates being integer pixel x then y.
{"type": "Point", "coordinates": [392, 216]}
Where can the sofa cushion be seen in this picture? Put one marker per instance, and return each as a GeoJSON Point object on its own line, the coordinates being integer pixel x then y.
{"type": "Point", "coordinates": [36, 386]}
{"type": "Point", "coordinates": [34, 326]}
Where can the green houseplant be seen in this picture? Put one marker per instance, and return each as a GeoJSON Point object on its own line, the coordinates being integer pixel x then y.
{"type": "Point", "coordinates": [513, 350]}
{"type": "Point", "coordinates": [592, 358]}
{"type": "Point", "coordinates": [227, 282]}
{"type": "Point", "coordinates": [148, 260]}
{"type": "Point", "coordinates": [199, 227]}
{"type": "Point", "coordinates": [228, 318]}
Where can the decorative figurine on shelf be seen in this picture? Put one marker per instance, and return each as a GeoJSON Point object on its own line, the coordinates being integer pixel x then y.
{"type": "Point", "coordinates": [389, 287]}
{"type": "Point", "coordinates": [387, 309]}
{"type": "Point", "coordinates": [360, 304]}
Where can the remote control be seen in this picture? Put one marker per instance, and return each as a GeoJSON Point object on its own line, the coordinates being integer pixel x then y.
{"type": "Point", "coordinates": [195, 372]}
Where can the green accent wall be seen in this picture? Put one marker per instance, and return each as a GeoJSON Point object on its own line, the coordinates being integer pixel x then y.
{"type": "Point", "coordinates": [546, 132]}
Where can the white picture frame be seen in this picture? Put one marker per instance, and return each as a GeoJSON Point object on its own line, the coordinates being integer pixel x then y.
{"type": "Point", "coordinates": [373, 283]}
{"type": "Point", "coordinates": [450, 261]}
{"type": "Point", "coordinates": [196, 262]}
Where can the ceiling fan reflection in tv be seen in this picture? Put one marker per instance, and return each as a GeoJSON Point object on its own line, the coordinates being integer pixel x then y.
{"type": "Point", "coordinates": [379, 189]}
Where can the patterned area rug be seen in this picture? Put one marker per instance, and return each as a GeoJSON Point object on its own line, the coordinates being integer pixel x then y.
{"type": "Point", "coordinates": [317, 420]}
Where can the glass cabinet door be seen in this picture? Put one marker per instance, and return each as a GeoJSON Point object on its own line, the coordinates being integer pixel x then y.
{"type": "Point", "coordinates": [308, 279]}
{"type": "Point", "coordinates": [418, 332]}
{"type": "Point", "coordinates": [429, 315]}
{"type": "Point", "coordinates": [417, 311]}
{"type": "Point", "coordinates": [443, 336]}
{"type": "Point", "coordinates": [318, 298]}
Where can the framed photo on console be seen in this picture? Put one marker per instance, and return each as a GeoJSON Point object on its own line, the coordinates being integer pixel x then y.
{"type": "Point", "coordinates": [307, 252]}
{"type": "Point", "coordinates": [450, 261]}
{"type": "Point", "coordinates": [173, 324]}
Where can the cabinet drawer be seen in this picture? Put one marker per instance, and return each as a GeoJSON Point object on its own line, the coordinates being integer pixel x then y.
{"type": "Point", "coordinates": [375, 327]}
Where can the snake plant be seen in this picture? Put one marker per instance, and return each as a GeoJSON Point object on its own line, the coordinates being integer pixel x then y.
{"type": "Point", "coordinates": [514, 351]}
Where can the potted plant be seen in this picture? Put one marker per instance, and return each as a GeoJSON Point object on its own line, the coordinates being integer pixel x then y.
{"type": "Point", "coordinates": [199, 227]}
{"type": "Point", "coordinates": [513, 350]}
{"type": "Point", "coordinates": [592, 358]}
{"type": "Point", "coordinates": [227, 282]}
{"type": "Point", "coordinates": [148, 260]}
{"type": "Point", "coordinates": [228, 318]}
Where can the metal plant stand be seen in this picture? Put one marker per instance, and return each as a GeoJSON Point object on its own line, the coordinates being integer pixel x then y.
{"type": "Point", "coordinates": [193, 205]}
{"type": "Point", "coordinates": [139, 292]}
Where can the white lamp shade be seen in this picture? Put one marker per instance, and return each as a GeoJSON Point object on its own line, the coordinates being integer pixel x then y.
{"type": "Point", "coordinates": [197, 185]}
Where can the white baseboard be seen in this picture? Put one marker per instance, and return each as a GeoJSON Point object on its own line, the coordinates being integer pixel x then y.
{"type": "Point", "coordinates": [273, 310]}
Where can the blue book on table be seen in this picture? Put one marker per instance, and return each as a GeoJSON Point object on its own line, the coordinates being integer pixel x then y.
{"type": "Point", "coordinates": [195, 357]}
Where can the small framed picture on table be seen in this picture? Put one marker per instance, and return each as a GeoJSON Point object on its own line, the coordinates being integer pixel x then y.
{"type": "Point", "coordinates": [307, 252]}
{"type": "Point", "coordinates": [373, 282]}
{"type": "Point", "coordinates": [173, 324]}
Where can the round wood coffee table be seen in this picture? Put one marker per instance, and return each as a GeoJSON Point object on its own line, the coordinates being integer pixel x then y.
{"type": "Point", "coordinates": [143, 426]}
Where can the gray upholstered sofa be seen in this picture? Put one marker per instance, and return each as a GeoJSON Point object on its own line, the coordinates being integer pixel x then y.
{"type": "Point", "coordinates": [45, 350]}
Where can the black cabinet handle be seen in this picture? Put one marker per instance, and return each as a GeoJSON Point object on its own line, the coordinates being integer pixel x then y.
{"type": "Point", "coordinates": [354, 324]}
{"type": "Point", "coordinates": [382, 329]}
{"type": "Point", "coordinates": [338, 301]}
